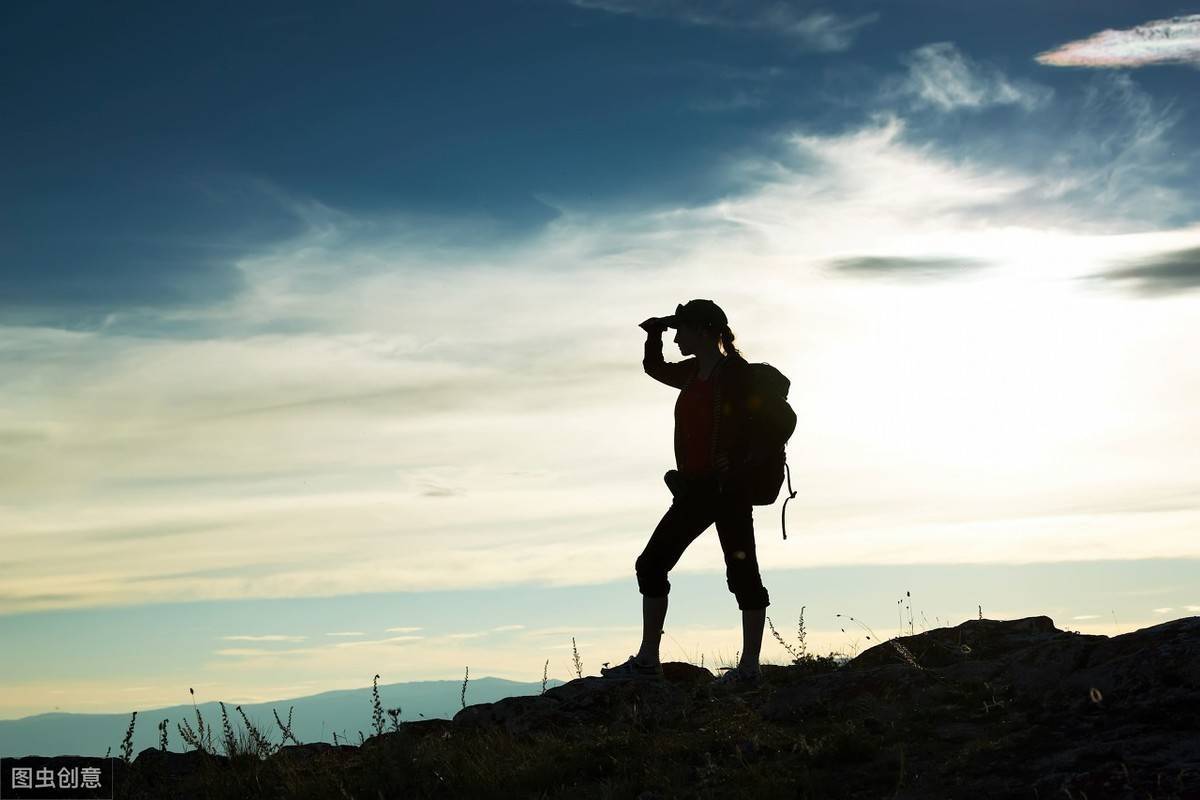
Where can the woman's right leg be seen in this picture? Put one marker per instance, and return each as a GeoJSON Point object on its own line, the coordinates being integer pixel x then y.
{"type": "Point", "coordinates": [678, 528]}
{"type": "Point", "coordinates": [654, 614]}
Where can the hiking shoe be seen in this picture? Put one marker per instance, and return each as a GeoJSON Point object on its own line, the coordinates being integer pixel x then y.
{"type": "Point", "coordinates": [734, 677]}
{"type": "Point", "coordinates": [632, 669]}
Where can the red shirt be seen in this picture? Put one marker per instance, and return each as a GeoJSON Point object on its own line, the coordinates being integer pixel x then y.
{"type": "Point", "coordinates": [694, 418]}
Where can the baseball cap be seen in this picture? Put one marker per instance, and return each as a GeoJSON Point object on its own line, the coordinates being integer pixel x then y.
{"type": "Point", "coordinates": [697, 312]}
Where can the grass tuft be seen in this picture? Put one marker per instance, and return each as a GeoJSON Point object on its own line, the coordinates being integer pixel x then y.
{"type": "Point", "coordinates": [262, 747]}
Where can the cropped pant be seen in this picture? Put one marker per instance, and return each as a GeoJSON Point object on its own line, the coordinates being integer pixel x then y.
{"type": "Point", "coordinates": [690, 514]}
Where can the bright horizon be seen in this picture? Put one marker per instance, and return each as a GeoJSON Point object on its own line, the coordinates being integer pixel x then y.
{"type": "Point", "coordinates": [369, 335]}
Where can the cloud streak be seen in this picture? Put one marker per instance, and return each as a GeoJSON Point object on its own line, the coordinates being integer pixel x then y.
{"type": "Point", "coordinates": [1159, 274]}
{"type": "Point", "coordinates": [821, 31]}
{"type": "Point", "coordinates": [910, 267]}
{"type": "Point", "coordinates": [1163, 41]}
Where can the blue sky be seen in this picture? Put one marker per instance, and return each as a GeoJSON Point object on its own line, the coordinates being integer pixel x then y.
{"type": "Point", "coordinates": [309, 301]}
{"type": "Point", "coordinates": [148, 151]}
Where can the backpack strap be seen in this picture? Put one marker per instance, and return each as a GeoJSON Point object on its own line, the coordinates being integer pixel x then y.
{"type": "Point", "coordinates": [791, 494]}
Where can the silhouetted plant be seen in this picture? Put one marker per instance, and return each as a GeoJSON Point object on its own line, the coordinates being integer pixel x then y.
{"type": "Point", "coordinates": [899, 647]}
{"type": "Point", "coordinates": [394, 713]}
{"type": "Point", "coordinates": [127, 742]}
{"type": "Point", "coordinates": [377, 716]}
{"type": "Point", "coordinates": [231, 747]}
{"type": "Point", "coordinates": [801, 633]}
{"type": "Point", "coordinates": [545, 674]}
{"type": "Point", "coordinates": [905, 602]}
{"type": "Point", "coordinates": [578, 663]}
{"type": "Point", "coordinates": [189, 737]}
{"type": "Point", "coordinates": [201, 738]}
{"type": "Point", "coordinates": [801, 657]}
{"type": "Point", "coordinates": [287, 729]}
{"type": "Point", "coordinates": [798, 655]}
{"type": "Point", "coordinates": [466, 675]}
{"type": "Point", "coordinates": [262, 747]}
{"type": "Point", "coordinates": [162, 735]}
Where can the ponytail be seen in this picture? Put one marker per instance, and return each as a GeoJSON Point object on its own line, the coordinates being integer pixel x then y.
{"type": "Point", "coordinates": [725, 336]}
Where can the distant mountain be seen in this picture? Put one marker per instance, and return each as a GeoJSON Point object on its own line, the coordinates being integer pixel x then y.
{"type": "Point", "coordinates": [314, 718]}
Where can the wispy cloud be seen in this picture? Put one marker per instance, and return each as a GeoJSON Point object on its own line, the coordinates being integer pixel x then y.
{"type": "Point", "coordinates": [738, 100]}
{"type": "Point", "coordinates": [346, 633]}
{"type": "Point", "coordinates": [478, 634]}
{"type": "Point", "coordinates": [1147, 592]}
{"type": "Point", "coordinates": [943, 77]}
{"type": "Point", "coordinates": [1163, 41]}
{"type": "Point", "coordinates": [810, 28]}
{"type": "Point", "coordinates": [391, 640]}
{"type": "Point", "coordinates": [907, 267]}
{"type": "Point", "coordinates": [274, 637]}
{"type": "Point", "coordinates": [434, 489]}
{"type": "Point", "coordinates": [307, 450]}
{"type": "Point", "coordinates": [1158, 274]}
{"type": "Point", "coordinates": [1116, 156]}
{"type": "Point", "coordinates": [1087, 616]}
{"type": "Point", "coordinates": [254, 652]}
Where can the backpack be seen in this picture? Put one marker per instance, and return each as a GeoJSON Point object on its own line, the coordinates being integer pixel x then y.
{"type": "Point", "coordinates": [769, 424]}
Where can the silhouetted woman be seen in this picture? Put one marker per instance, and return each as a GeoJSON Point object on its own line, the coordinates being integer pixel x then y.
{"type": "Point", "coordinates": [710, 444]}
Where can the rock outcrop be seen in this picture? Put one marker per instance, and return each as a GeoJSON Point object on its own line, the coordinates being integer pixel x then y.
{"type": "Point", "coordinates": [984, 709]}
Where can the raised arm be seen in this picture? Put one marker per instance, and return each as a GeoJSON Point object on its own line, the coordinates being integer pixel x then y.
{"type": "Point", "coordinates": [672, 374]}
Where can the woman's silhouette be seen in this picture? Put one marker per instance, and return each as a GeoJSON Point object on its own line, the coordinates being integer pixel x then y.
{"type": "Point", "coordinates": [710, 446]}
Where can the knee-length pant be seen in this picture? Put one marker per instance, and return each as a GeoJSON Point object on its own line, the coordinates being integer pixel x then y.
{"type": "Point", "coordinates": [689, 516]}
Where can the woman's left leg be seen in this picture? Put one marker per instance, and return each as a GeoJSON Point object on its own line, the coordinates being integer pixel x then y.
{"type": "Point", "coordinates": [735, 529]}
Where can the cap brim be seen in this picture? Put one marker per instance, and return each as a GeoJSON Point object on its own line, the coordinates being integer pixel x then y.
{"type": "Point", "coordinates": [670, 321]}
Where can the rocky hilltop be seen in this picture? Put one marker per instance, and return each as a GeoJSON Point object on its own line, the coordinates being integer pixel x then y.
{"type": "Point", "coordinates": [984, 709]}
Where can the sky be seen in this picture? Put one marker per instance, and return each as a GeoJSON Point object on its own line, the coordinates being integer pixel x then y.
{"type": "Point", "coordinates": [319, 345]}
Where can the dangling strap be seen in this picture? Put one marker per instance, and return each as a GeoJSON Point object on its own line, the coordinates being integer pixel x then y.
{"type": "Point", "coordinates": [791, 494]}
